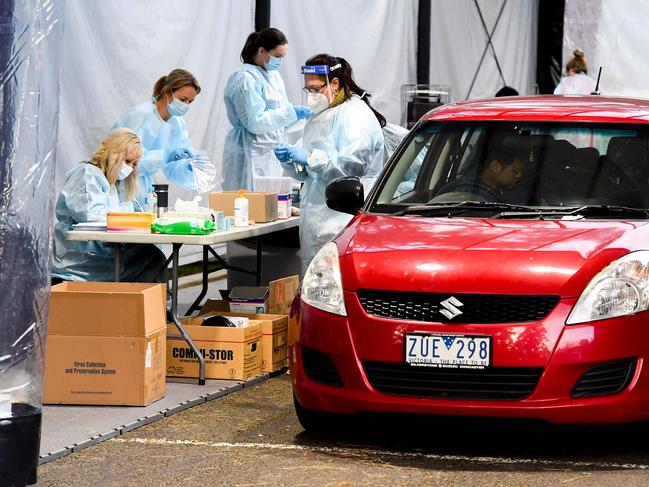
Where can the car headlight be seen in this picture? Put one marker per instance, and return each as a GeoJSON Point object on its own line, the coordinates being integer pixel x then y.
{"type": "Point", "coordinates": [621, 288]}
{"type": "Point", "coordinates": [322, 285]}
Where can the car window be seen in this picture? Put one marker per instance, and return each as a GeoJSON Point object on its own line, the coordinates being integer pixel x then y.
{"type": "Point", "coordinates": [519, 163]}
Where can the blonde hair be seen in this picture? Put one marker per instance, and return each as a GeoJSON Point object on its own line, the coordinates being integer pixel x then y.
{"type": "Point", "coordinates": [114, 150]}
{"type": "Point", "coordinates": [175, 80]}
{"type": "Point", "coordinates": [578, 62]}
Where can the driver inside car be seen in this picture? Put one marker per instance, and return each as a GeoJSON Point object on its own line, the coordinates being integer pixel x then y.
{"type": "Point", "coordinates": [499, 171]}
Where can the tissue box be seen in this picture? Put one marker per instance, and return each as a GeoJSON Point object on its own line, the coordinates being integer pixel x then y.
{"type": "Point", "coordinates": [249, 299]}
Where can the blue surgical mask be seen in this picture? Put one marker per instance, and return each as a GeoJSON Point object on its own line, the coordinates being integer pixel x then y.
{"type": "Point", "coordinates": [124, 172]}
{"type": "Point", "coordinates": [177, 108]}
{"type": "Point", "coordinates": [273, 63]}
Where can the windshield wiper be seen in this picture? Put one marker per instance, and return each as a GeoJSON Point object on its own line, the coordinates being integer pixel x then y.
{"type": "Point", "coordinates": [579, 212]}
{"type": "Point", "coordinates": [455, 208]}
{"type": "Point", "coordinates": [609, 210]}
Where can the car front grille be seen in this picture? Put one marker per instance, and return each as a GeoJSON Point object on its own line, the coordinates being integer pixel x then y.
{"type": "Point", "coordinates": [605, 379]}
{"type": "Point", "coordinates": [493, 383]}
{"type": "Point", "coordinates": [319, 368]}
{"type": "Point", "coordinates": [472, 308]}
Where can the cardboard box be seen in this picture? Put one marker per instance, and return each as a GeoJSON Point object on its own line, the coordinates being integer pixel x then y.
{"type": "Point", "coordinates": [274, 329]}
{"type": "Point", "coordinates": [230, 353]}
{"type": "Point", "coordinates": [262, 207]}
{"type": "Point", "coordinates": [106, 344]}
{"type": "Point", "coordinates": [248, 299]}
{"type": "Point", "coordinates": [281, 293]}
{"type": "Point", "coordinates": [135, 222]}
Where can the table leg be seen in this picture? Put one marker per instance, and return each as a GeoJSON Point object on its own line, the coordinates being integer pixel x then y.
{"type": "Point", "coordinates": [200, 297]}
{"type": "Point", "coordinates": [174, 315]}
{"type": "Point", "coordinates": [258, 268]}
{"type": "Point", "coordinates": [118, 251]}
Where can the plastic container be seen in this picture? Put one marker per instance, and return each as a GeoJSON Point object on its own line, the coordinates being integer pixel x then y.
{"type": "Point", "coordinates": [241, 210]}
{"type": "Point", "coordinates": [150, 202]}
{"type": "Point", "coordinates": [283, 206]}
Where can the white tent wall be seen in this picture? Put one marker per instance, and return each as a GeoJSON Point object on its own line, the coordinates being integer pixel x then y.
{"type": "Point", "coordinates": [114, 51]}
{"type": "Point", "coordinates": [378, 38]}
{"type": "Point", "coordinates": [613, 34]}
{"type": "Point", "coordinates": [458, 40]}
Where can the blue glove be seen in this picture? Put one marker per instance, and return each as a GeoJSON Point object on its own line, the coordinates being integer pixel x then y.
{"type": "Point", "coordinates": [281, 152]}
{"type": "Point", "coordinates": [302, 112]}
{"type": "Point", "coordinates": [297, 154]}
{"type": "Point", "coordinates": [178, 154]}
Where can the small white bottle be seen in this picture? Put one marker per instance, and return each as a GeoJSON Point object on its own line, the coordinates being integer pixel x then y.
{"type": "Point", "coordinates": [241, 210]}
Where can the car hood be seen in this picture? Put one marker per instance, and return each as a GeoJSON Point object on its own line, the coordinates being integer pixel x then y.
{"type": "Point", "coordinates": [459, 255]}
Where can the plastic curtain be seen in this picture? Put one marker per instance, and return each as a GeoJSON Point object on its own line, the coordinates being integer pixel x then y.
{"type": "Point", "coordinates": [114, 51]}
{"type": "Point", "coordinates": [614, 35]}
{"type": "Point", "coordinates": [459, 40]}
{"type": "Point", "coordinates": [30, 34]}
{"type": "Point", "coordinates": [378, 38]}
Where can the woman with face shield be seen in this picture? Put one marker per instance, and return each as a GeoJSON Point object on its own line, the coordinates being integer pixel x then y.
{"type": "Point", "coordinates": [160, 125]}
{"type": "Point", "coordinates": [343, 138]}
{"type": "Point", "coordinates": [106, 182]}
{"type": "Point", "coordinates": [259, 111]}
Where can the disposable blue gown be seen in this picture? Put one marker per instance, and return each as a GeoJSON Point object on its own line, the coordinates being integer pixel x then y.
{"type": "Point", "coordinates": [345, 140]}
{"type": "Point", "coordinates": [157, 138]}
{"type": "Point", "coordinates": [85, 197]}
{"type": "Point", "coordinates": [258, 110]}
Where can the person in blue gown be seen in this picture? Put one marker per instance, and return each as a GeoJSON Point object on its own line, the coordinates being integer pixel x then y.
{"type": "Point", "coordinates": [259, 111]}
{"type": "Point", "coordinates": [162, 130]}
{"type": "Point", "coordinates": [106, 182]}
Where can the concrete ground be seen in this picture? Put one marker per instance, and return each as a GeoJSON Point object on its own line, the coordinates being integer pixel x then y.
{"type": "Point", "coordinates": [253, 438]}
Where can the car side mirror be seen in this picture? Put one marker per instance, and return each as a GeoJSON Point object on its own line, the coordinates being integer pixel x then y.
{"type": "Point", "coordinates": [345, 194]}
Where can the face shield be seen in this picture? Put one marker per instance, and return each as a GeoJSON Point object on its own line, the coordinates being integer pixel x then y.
{"type": "Point", "coordinates": [317, 94]}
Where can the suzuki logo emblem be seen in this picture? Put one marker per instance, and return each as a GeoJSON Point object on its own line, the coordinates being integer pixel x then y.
{"type": "Point", "coordinates": [450, 305]}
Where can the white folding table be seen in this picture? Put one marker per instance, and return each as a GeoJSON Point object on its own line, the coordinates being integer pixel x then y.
{"type": "Point", "coordinates": [177, 241]}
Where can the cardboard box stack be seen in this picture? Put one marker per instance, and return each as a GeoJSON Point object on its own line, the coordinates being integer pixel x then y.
{"type": "Point", "coordinates": [106, 344]}
{"type": "Point", "coordinates": [274, 325]}
{"type": "Point", "coordinates": [230, 353]}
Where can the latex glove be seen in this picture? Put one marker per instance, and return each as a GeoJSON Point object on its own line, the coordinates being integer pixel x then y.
{"type": "Point", "coordinates": [298, 154]}
{"type": "Point", "coordinates": [178, 154]}
{"type": "Point", "coordinates": [281, 152]}
{"type": "Point", "coordinates": [302, 112]}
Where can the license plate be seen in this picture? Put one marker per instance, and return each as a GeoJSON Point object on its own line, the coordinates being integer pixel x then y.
{"type": "Point", "coordinates": [448, 351]}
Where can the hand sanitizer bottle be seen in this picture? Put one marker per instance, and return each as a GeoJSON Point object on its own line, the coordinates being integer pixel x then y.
{"type": "Point", "coordinates": [241, 210]}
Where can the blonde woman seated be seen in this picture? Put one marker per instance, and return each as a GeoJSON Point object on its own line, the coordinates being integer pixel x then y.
{"type": "Point", "coordinates": [106, 182]}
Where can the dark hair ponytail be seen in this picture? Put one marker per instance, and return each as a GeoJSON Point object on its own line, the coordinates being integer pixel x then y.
{"type": "Point", "coordinates": [344, 74]}
{"type": "Point", "coordinates": [268, 38]}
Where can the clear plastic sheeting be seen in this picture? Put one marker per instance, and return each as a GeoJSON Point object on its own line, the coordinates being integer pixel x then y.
{"type": "Point", "coordinates": [460, 53]}
{"type": "Point", "coordinates": [378, 39]}
{"type": "Point", "coordinates": [613, 35]}
{"type": "Point", "coordinates": [29, 42]}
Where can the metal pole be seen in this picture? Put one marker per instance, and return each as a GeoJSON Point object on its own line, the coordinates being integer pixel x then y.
{"type": "Point", "coordinates": [174, 315]}
{"type": "Point", "coordinates": [200, 297]}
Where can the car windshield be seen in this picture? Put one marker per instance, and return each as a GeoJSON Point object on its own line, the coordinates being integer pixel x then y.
{"type": "Point", "coordinates": [526, 169]}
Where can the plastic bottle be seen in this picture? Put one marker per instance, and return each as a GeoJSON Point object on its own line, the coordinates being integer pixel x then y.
{"type": "Point", "coordinates": [151, 202]}
{"type": "Point", "coordinates": [241, 210]}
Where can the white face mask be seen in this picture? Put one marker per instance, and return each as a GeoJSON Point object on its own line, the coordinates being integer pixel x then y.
{"type": "Point", "coordinates": [317, 102]}
{"type": "Point", "coordinates": [124, 172]}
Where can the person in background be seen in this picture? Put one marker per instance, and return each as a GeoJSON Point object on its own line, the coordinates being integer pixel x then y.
{"type": "Point", "coordinates": [162, 130]}
{"type": "Point", "coordinates": [259, 111]}
{"type": "Point", "coordinates": [107, 182]}
{"type": "Point", "coordinates": [576, 81]}
{"type": "Point", "coordinates": [506, 91]}
{"type": "Point", "coordinates": [343, 138]}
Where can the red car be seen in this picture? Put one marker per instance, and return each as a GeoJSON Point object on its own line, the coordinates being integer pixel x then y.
{"type": "Point", "coordinates": [499, 267]}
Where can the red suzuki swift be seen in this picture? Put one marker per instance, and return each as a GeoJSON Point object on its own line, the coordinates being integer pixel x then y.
{"type": "Point", "coordinates": [499, 267]}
